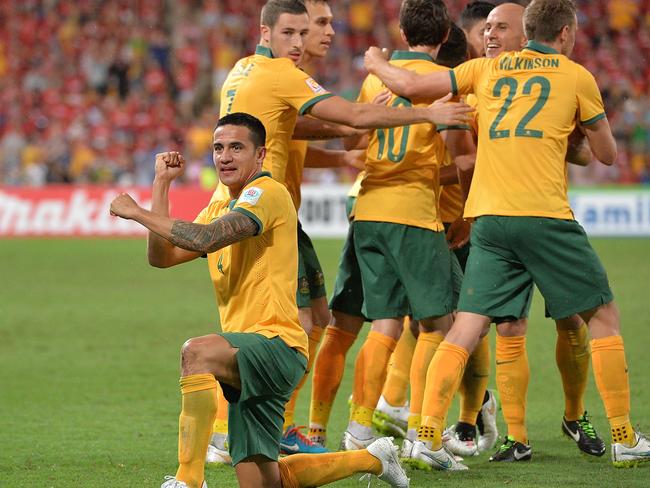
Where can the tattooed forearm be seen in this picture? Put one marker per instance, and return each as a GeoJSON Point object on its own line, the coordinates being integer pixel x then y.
{"type": "Point", "coordinates": [232, 227]}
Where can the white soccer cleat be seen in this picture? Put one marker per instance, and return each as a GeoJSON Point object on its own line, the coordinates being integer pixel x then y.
{"type": "Point", "coordinates": [627, 457]}
{"type": "Point", "coordinates": [457, 445]}
{"type": "Point", "coordinates": [423, 457]}
{"type": "Point", "coordinates": [487, 439]}
{"type": "Point", "coordinates": [407, 450]}
{"type": "Point", "coordinates": [392, 471]}
{"type": "Point", "coordinates": [352, 443]}
{"type": "Point", "coordinates": [390, 420]}
{"type": "Point", "coordinates": [171, 482]}
{"type": "Point", "coordinates": [217, 456]}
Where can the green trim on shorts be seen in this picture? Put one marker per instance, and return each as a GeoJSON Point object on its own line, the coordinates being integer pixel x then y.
{"type": "Point", "coordinates": [404, 270]}
{"type": "Point", "coordinates": [311, 281]}
{"type": "Point", "coordinates": [269, 371]}
{"type": "Point", "coordinates": [510, 254]}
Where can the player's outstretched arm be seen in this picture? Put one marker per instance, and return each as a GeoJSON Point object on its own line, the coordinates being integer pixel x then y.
{"type": "Point", "coordinates": [407, 83]}
{"type": "Point", "coordinates": [309, 128]}
{"type": "Point", "coordinates": [200, 239]}
{"type": "Point", "coordinates": [601, 141]}
{"type": "Point", "coordinates": [372, 116]}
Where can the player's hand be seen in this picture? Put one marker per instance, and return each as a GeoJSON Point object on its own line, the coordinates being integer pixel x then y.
{"type": "Point", "coordinates": [124, 206]}
{"type": "Point", "coordinates": [375, 56]}
{"type": "Point", "coordinates": [444, 112]}
{"type": "Point", "coordinates": [382, 97]}
{"type": "Point", "coordinates": [458, 233]}
{"type": "Point", "coordinates": [355, 158]}
{"type": "Point", "coordinates": [169, 165]}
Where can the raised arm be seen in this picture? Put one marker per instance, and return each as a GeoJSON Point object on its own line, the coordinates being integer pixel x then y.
{"type": "Point", "coordinates": [407, 83]}
{"type": "Point", "coordinates": [200, 239]}
{"type": "Point", "coordinates": [160, 252]}
{"type": "Point", "coordinates": [601, 141]}
{"type": "Point", "coordinates": [370, 116]}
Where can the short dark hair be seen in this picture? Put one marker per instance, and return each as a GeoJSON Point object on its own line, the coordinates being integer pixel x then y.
{"type": "Point", "coordinates": [253, 124]}
{"type": "Point", "coordinates": [272, 10]}
{"type": "Point", "coordinates": [424, 22]}
{"type": "Point", "coordinates": [454, 49]}
{"type": "Point", "coordinates": [473, 12]}
{"type": "Point", "coordinates": [545, 19]}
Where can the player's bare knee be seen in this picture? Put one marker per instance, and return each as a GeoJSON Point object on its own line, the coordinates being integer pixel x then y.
{"type": "Point", "coordinates": [517, 328]}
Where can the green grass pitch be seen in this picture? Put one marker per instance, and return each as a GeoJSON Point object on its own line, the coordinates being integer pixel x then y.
{"type": "Point", "coordinates": [89, 345]}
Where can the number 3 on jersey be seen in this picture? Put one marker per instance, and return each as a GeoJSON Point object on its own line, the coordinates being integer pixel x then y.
{"type": "Point", "coordinates": [381, 136]}
{"type": "Point", "coordinates": [521, 130]}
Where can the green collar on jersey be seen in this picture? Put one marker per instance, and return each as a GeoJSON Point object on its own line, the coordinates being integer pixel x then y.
{"type": "Point", "coordinates": [397, 55]}
{"type": "Point", "coordinates": [540, 48]}
{"type": "Point", "coordinates": [264, 51]}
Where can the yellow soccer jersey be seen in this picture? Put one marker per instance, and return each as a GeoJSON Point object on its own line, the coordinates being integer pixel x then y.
{"type": "Point", "coordinates": [255, 280]}
{"type": "Point", "coordinates": [295, 166]}
{"type": "Point", "coordinates": [401, 182]}
{"type": "Point", "coordinates": [276, 92]}
{"type": "Point", "coordinates": [356, 186]}
{"type": "Point", "coordinates": [451, 198]}
{"type": "Point", "coordinates": [527, 107]}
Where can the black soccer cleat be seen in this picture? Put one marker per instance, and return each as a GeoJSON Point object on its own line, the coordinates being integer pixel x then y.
{"type": "Point", "coordinates": [511, 451]}
{"type": "Point", "coordinates": [584, 434]}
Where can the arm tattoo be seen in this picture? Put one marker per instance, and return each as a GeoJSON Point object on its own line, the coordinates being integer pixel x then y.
{"type": "Point", "coordinates": [232, 227]}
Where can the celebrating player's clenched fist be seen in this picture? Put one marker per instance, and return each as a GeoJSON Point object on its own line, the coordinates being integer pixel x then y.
{"type": "Point", "coordinates": [169, 165]}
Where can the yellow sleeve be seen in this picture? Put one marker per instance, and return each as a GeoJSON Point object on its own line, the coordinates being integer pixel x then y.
{"type": "Point", "coordinates": [299, 90]}
{"type": "Point", "coordinates": [264, 203]}
{"type": "Point", "coordinates": [368, 90]}
{"type": "Point", "coordinates": [464, 77]}
{"type": "Point", "coordinates": [590, 102]}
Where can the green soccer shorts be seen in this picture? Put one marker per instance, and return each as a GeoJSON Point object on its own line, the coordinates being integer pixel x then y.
{"type": "Point", "coordinates": [269, 371]}
{"type": "Point", "coordinates": [510, 254]}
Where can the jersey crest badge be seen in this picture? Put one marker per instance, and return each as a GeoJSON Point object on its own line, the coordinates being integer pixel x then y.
{"type": "Point", "coordinates": [314, 86]}
{"type": "Point", "coordinates": [251, 195]}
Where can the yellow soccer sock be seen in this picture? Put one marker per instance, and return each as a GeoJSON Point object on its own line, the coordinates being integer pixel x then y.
{"type": "Point", "coordinates": [369, 376]}
{"type": "Point", "coordinates": [195, 426]}
{"type": "Point", "coordinates": [474, 382]}
{"type": "Point", "coordinates": [302, 470]}
{"type": "Point", "coordinates": [220, 425]}
{"type": "Point", "coordinates": [443, 379]}
{"type": "Point", "coordinates": [290, 407]}
{"type": "Point", "coordinates": [512, 376]}
{"type": "Point", "coordinates": [610, 370]}
{"type": "Point", "coordinates": [397, 380]}
{"type": "Point", "coordinates": [328, 371]}
{"type": "Point", "coordinates": [572, 357]}
{"type": "Point", "coordinates": [425, 348]}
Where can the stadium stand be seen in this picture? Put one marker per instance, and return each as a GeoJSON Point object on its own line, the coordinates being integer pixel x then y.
{"type": "Point", "coordinates": [90, 90]}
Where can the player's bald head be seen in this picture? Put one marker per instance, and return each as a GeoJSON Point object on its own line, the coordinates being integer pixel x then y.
{"type": "Point", "coordinates": [504, 30]}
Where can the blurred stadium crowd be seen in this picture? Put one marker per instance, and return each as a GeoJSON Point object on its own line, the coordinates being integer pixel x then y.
{"type": "Point", "coordinates": [91, 89]}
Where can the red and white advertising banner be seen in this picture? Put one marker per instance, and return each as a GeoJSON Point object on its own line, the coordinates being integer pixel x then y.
{"type": "Point", "coordinates": [67, 211]}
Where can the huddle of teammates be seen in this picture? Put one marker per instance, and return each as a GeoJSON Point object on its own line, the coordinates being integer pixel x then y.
{"type": "Point", "coordinates": [434, 170]}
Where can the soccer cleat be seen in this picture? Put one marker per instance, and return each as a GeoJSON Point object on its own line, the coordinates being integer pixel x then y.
{"type": "Point", "coordinates": [294, 442]}
{"type": "Point", "coordinates": [352, 443]}
{"type": "Point", "coordinates": [461, 439]}
{"type": "Point", "coordinates": [407, 449]}
{"type": "Point", "coordinates": [390, 420]}
{"type": "Point", "coordinates": [584, 434]}
{"type": "Point", "coordinates": [627, 457]}
{"type": "Point", "coordinates": [512, 450]}
{"type": "Point", "coordinates": [423, 457]}
{"type": "Point", "coordinates": [214, 455]}
{"type": "Point", "coordinates": [172, 482]}
{"type": "Point", "coordinates": [392, 471]}
{"type": "Point", "coordinates": [317, 434]}
{"type": "Point", "coordinates": [487, 423]}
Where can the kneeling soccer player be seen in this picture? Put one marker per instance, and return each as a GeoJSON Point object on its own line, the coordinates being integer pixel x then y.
{"type": "Point", "coordinates": [250, 243]}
